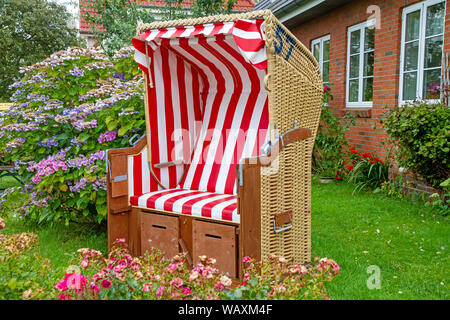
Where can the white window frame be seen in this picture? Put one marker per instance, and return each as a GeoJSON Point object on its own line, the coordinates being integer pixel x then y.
{"type": "Point", "coordinates": [422, 6]}
{"type": "Point", "coordinates": [321, 41]}
{"type": "Point", "coordinates": [360, 103]}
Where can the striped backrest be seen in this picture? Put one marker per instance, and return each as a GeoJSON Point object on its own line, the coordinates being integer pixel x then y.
{"type": "Point", "coordinates": [216, 77]}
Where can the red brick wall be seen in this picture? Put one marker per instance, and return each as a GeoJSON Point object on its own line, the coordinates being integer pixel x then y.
{"type": "Point", "coordinates": [386, 68]}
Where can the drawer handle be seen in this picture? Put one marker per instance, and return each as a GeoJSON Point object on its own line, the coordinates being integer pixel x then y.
{"type": "Point", "coordinates": [159, 227]}
{"type": "Point", "coordinates": [213, 236]}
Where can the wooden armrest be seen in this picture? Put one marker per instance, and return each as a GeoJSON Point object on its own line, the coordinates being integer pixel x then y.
{"type": "Point", "coordinates": [282, 142]}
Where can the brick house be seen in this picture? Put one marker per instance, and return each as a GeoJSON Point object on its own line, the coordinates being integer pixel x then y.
{"type": "Point", "coordinates": [153, 5]}
{"type": "Point", "coordinates": [374, 54]}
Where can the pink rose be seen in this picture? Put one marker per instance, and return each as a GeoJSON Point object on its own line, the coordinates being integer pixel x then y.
{"type": "Point", "coordinates": [84, 264]}
{"type": "Point", "coordinates": [94, 288]}
{"type": "Point", "coordinates": [186, 290]}
{"type": "Point", "coordinates": [172, 266]}
{"type": "Point", "coordinates": [160, 291]}
{"type": "Point", "coordinates": [106, 284]}
{"type": "Point", "coordinates": [146, 287]}
{"type": "Point", "coordinates": [76, 281]}
{"type": "Point", "coordinates": [176, 283]}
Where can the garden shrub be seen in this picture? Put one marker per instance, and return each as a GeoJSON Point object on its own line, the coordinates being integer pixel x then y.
{"type": "Point", "coordinates": [330, 145]}
{"type": "Point", "coordinates": [68, 110]}
{"type": "Point", "coordinates": [420, 130]}
{"type": "Point", "coordinates": [441, 202]}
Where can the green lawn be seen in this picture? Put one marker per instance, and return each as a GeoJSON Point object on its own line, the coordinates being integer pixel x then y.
{"type": "Point", "coordinates": [406, 241]}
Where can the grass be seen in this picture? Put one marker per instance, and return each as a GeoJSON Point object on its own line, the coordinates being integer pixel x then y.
{"type": "Point", "coordinates": [58, 242]}
{"type": "Point", "coordinates": [407, 242]}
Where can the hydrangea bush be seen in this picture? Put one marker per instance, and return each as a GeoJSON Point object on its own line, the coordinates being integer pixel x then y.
{"type": "Point", "coordinates": [68, 110]}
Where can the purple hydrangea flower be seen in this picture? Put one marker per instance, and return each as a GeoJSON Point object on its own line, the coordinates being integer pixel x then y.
{"type": "Point", "coordinates": [77, 72]}
{"type": "Point", "coordinates": [107, 136]}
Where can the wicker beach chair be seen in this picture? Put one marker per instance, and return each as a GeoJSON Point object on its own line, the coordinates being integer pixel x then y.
{"type": "Point", "coordinates": [232, 108]}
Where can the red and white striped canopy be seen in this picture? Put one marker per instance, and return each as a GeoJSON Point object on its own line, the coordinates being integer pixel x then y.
{"type": "Point", "coordinates": [207, 102]}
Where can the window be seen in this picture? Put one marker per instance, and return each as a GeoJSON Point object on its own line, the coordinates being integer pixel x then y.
{"type": "Point", "coordinates": [421, 50]}
{"type": "Point", "coordinates": [360, 58]}
{"type": "Point", "coordinates": [320, 48]}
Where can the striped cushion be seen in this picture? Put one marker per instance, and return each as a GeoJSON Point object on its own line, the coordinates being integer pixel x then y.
{"type": "Point", "coordinates": [189, 202]}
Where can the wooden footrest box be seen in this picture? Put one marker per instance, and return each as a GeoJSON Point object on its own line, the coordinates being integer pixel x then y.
{"type": "Point", "coordinates": [160, 232]}
{"type": "Point", "coordinates": [217, 241]}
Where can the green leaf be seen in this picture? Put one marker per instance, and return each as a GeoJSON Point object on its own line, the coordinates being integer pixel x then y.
{"type": "Point", "coordinates": [12, 283]}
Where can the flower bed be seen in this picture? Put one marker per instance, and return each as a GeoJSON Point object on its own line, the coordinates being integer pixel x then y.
{"type": "Point", "coordinates": [26, 275]}
{"type": "Point", "coordinates": [365, 170]}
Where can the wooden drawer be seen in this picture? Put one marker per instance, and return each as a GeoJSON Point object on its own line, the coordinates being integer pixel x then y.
{"type": "Point", "coordinates": [216, 241]}
{"type": "Point", "coordinates": [160, 232]}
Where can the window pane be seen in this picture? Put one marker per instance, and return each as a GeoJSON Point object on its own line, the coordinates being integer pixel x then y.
{"type": "Point", "coordinates": [431, 83]}
{"type": "Point", "coordinates": [353, 90]}
{"type": "Point", "coordinates": [325, 70]}
{"type": "Point", "coordinates": [435, 19]}
{"type": "Point", "coordinates": [355, 37]}
{"type": "Point", "coordinates": [354, 66]}
{"type": "Point", "coordinates": [316, 51]}
{"type": "Point", "coordinates": [368, 89]}
{"type": "Point", "coordinates": [326, 50]}
{"type": "Point", "coordinates": [433, 52]}
{"type": "Point", "coordinates": [369, 39]}
{"type": "Point", "coordinates": [409, 85]}
{"type": "Point", "coordinates": [413, 25]}
{"type": "Point", "coordinates": [411, 55]}
{"type": "Point", "coordinates": [368, 63]}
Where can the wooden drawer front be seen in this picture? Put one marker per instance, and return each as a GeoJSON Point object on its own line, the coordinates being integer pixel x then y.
{"type": "Point", "coordinates": [216, 241]}
{"type": "Point", "coordinates": [160, 232]}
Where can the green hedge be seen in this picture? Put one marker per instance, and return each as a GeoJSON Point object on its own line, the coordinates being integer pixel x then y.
{"type": "Point", "coordinates": [421, 131]}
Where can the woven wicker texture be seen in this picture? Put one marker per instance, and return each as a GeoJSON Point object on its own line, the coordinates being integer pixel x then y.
{"type": "Point", "coordinates": [295, 87]}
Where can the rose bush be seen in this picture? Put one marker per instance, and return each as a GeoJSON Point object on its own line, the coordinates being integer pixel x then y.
{"type": "Point", "coordinates": [121, 276]}
{"type": "Point", "coordinates": [69, 109]}
{"type": "Point", "coordinates": [25, 274]}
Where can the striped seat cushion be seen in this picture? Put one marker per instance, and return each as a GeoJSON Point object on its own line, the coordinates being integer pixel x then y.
{"type": "Point", "coordinates": [190, 202]}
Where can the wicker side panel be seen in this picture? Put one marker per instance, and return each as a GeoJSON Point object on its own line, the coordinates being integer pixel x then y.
{"type": "Point", "coordinates": [294, 80]}
{"type": "Point", "coordinates": [286, 187]}
{"type": "Point", "coordinates": [295, 91]}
